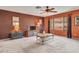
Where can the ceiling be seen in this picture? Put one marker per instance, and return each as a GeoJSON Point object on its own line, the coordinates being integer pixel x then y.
{"type": "Point", "coordinates": [33, 11]}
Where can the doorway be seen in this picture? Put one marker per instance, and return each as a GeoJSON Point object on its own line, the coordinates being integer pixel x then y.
{"type": "Point", "coordinates": [69, 31]}
{"type": "Point", "coordinates": [48, 26]}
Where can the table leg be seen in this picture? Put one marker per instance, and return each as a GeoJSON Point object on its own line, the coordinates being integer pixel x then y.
{"type": "Point", "coordinates": [42, 41]}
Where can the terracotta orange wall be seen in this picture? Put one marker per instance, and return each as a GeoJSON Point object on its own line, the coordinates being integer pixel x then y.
{"type": "Point", "coordinates": [75, 30]}
{"type": "Point", "coordinates": [6, 22]}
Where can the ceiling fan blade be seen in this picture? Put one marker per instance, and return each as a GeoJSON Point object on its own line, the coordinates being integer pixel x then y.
{"type": "Point", "coordinates": [52, 8]}
{"type": "Point", "coordinates": [38, 7]}
{"type": "Point", "coordinates": [54, 11]}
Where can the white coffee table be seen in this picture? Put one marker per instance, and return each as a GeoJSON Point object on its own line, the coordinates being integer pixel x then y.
{"type": "Point", "coordinates": [43, 36]}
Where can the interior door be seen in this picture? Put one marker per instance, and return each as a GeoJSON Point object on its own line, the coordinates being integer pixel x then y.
{"type": "Point", "coordinates": [69, 31]}
{"type": "Point", "coordinates": [48, 26]}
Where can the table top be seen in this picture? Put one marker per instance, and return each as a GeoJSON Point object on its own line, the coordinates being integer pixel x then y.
{"type": "Point", "coordinates": [44, 34]}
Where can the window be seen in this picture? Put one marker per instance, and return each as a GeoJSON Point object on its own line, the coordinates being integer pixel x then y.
{"type": "Point", "coordinates": [58, 23]}
{"type": "Point", "coordinates": [15, 22]}
{"type": "Point", "coordinates": [77, 20]}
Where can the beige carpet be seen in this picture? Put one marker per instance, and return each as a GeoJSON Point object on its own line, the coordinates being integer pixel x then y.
{"type": "Point", "coordinates": [57, 44]}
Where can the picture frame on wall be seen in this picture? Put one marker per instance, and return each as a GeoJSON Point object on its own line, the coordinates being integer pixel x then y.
{"type": "Point", "coordinates": [77, 20]}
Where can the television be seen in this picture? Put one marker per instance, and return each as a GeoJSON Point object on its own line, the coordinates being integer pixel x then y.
{"type": "Point", "coordinates": [32, 27]}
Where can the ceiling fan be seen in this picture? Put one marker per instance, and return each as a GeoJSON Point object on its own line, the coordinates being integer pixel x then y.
{"type": "Point", "coordinates": [47, 10]}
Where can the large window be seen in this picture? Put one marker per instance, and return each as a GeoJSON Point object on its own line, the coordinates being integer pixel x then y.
{"type": "Point", "coordinates": [65, 23]}
{"type": "Point", "coordinates": [51, 24]}
{"type": "Point", "coordinates": [59, 23]}
{"type": "Point", "coordinates": [15, 22]}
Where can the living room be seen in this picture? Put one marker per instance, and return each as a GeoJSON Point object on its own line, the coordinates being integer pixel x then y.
{"type": "Point", "coordinates": [26, 22]}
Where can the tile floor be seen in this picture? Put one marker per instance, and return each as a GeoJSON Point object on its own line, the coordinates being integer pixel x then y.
{"type": "Point", "coordinates": [57, 44]}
